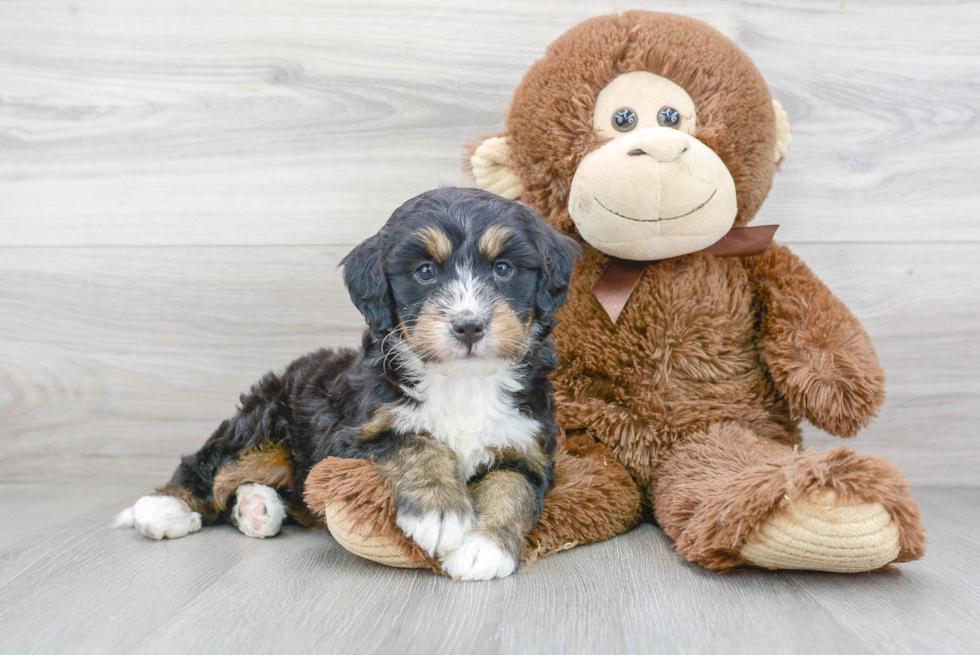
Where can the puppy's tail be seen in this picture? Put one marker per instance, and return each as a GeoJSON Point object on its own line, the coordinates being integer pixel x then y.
{"type": "Point", "coordinates": [124, 519]}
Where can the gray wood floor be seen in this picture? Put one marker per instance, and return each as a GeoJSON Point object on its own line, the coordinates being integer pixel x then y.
{"type": "Point", "coordinates": [69, 583]}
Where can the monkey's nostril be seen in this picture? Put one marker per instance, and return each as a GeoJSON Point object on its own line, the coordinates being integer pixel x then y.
{"type": "Point", "coordinates": [636, 152]}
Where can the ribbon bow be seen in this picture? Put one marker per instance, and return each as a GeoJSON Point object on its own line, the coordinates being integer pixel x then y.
{"type": "Point", "coordinates": [616, 284]}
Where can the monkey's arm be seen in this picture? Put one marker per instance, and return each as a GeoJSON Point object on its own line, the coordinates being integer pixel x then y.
{"type": "Point", "coordinates": [818, 354]}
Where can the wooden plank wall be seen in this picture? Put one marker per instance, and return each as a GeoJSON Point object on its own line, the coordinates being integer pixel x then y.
{"type": "Point", "coordinates": [178, 180]}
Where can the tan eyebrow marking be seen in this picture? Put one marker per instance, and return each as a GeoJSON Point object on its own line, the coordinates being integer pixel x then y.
{"type": "Point", "coordinates": [493, 240]}
{"type": "Point", "coordinates": [436, 242]}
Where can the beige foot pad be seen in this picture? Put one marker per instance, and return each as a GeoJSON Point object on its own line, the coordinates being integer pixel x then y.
{"type": "Point", "coordinates": [362, 541]}
{"type": "Point", "coordinates": [819, 534]}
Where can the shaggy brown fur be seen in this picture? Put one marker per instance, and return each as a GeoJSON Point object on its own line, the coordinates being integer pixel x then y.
{"type": "Point", "coordinates": [682, 356]}
{"type": "Point", "coordinates": [368, 498]}
{"type": "Point", "coordinates": [586, 476]}
{"type": "Point", "coordinates": [549, 124]}
{"type": "Point", "coordinates": [694, 502]}
{"type": "Point", "coordinates": [752, 342]}
{"type": "Point", "coordinates": [818, 355]}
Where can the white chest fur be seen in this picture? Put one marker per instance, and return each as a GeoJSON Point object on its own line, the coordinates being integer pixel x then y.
{"type": "Point", "coordinates": [468, 407]}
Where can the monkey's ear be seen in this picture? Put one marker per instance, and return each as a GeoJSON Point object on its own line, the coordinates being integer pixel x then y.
{"type": "Point", "coordinates": [493, 169]}
{"type": "Point", "coordinates": [784, 132]}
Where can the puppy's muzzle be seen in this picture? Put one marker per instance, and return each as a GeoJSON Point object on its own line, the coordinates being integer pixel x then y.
{"type": "Point", "coordinates": [468, 328]}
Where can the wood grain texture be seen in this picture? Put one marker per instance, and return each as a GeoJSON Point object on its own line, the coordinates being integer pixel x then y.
{"type": "Point", "coordinates": [117, 360]}
{"type": "Point", "coordinates": [180, 122]}
{"type": "Point", "coordinates": [71, 584]}
{"type": "Point", "coordinates": [178, 181]}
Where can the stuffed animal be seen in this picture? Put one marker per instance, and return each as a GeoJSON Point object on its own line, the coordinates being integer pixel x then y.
{"type": "Point", "coordinates": [690, 346]}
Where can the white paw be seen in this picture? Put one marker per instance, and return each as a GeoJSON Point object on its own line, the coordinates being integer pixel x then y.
{"type": "Point", "coordinates": [258, 510]}
{"type": "Point", "coordinates": [436, 532]}
{"type": "Point", "coordinates": [160, 516]}
{"type": "Point", "coordinates": [478, 559]}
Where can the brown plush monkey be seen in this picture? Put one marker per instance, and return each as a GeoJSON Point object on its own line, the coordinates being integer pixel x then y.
{"type": "Point", "coordinates": [684, 372]}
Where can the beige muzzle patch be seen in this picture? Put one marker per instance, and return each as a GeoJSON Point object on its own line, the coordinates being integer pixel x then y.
{"type": "Point", "coordinates": [652, 194]}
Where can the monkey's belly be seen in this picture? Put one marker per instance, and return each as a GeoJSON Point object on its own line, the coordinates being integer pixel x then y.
{"type": "Point", "coordinates": [682, 356]}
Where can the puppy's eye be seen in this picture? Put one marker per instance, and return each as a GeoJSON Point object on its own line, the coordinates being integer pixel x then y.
{"type": "Point", "coordinates": [425, 272]}
{"type": "Point", "coordinates": [668, 117]}
{"type": "Point", "coordinates": [625, 119]}
{"type": "Point", "coordinates": [502, 270]}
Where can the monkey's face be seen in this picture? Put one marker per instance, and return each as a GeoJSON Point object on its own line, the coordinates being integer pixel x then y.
{"type": "Point", "coordinates": [648, 134]}
{"type": "Point", "coordinates": [652, 190]}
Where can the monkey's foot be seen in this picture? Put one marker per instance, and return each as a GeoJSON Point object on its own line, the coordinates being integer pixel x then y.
{"type": "Point", "coordinates": [359, 510]}
{"type": "Point", "coordinates": [364, 541]}
{"type": "Point", "coordinates": [730, 498]}
{"type": "Point", "coordinates": [818, 533]}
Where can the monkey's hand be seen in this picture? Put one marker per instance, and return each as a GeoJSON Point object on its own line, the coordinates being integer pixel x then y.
{"type": "Point", "coordinates": [818, 354]}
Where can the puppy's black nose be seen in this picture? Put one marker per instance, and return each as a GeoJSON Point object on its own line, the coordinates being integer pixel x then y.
{"type": "Point", "coordinates": [468, 328]}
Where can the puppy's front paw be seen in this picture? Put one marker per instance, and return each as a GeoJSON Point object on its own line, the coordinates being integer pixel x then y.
{"type": "Point", "coordinates": [161, 516]}
{"type": "Point", "coordinates": [479, 559]}
{"type": "Point", "coordinates": [437, 533]}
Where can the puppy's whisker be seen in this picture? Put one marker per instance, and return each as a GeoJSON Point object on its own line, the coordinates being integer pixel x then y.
{"type": "Point", "coordinates": [386, 355]}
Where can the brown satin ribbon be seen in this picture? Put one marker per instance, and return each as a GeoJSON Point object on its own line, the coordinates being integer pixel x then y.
{"type": "Point", "coordinates": [617, 282]}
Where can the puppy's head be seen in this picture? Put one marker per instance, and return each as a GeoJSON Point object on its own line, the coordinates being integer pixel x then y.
{"type": "Point", "coordinates": [461, 274]}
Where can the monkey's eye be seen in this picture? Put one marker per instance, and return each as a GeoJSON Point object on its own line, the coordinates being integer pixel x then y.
{"type": "Point", "coordinates": [426, 272]}
{"type": "Point", "coordinates": [668, 117]}
{"type": "Point", "coordinates": [625, 119]}
{"type": "Point", "coordinates": [502, 270]}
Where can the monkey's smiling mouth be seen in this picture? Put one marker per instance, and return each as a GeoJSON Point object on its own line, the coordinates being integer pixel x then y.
{"type": "Point", "coordinates": [656, 220]}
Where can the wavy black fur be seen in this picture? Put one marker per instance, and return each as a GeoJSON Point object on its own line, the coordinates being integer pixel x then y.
{"type": "Point", "coordinates": [317, 407]}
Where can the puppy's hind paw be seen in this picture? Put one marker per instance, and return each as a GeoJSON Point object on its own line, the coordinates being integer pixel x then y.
{"type": "Point", "coordinates": [437, 533]}
{"type": "Point", "coordinates": [258, 512]}
{"type": "Point", "coordinates": [478, 559]}
{"type": "Point", "coordinates": [159, 517]}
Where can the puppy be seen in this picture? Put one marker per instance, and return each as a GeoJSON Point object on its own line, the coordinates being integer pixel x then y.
{"type": "Point", "coordinates": [449, 394]}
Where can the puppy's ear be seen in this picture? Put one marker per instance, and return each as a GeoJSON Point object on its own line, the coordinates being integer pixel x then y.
{"type": "Point", "coordinates": [365, 278]}
{"type": "Point", "coordinates": [559, 254]}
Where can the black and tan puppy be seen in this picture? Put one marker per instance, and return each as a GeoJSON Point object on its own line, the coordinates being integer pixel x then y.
{"type": "Point", "coordinates": [449, 393]}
